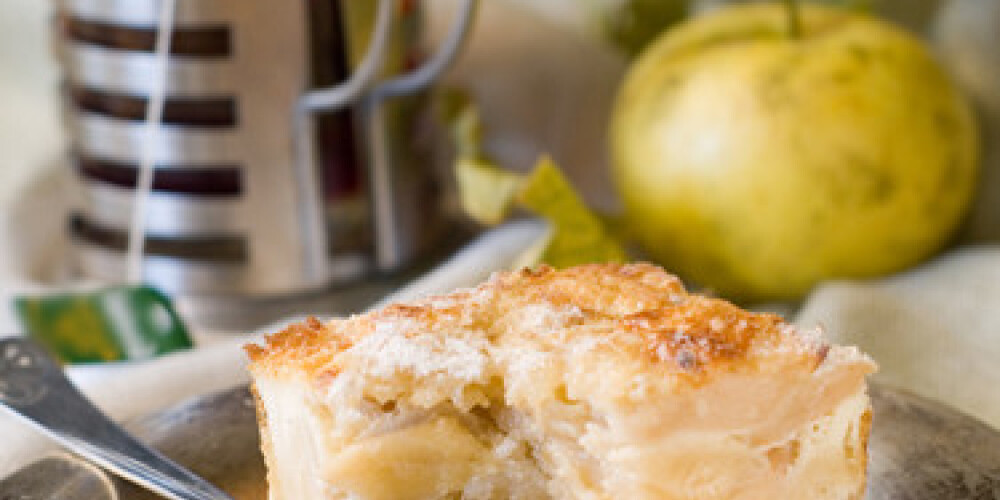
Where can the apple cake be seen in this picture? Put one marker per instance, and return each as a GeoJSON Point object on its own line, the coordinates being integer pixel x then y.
{"type": "Point", "coordinates": [596, 382]}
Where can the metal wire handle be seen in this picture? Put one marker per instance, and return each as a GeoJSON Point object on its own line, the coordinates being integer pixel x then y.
{"type": "Point", "coordinates": [359, 88]}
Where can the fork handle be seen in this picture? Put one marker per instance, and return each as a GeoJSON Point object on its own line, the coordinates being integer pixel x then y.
{"type": "Point", "coordinates": [34, 387]}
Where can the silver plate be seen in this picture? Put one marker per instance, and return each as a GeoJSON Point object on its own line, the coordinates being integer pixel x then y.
{"type": "Point", "coordinates": [919, 450]}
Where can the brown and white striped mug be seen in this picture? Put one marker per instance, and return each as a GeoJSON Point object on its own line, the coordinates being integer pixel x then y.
{"type": "Point", "coordinates": [283, 162]}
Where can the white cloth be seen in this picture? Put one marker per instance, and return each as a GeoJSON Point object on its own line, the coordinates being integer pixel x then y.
{"type": "Point", "coordinates": [126, 390]}
{"type": "Point", "coordinates": [934, 330]}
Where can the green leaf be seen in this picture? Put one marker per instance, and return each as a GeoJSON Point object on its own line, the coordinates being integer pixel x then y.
{"type": "Point", "coordinates": [630, 25]}
{"type": "Point", "coordinates": [487, 192]}
{"type": "Point", "coordinates": [578, 235]}
{"type": "Point", "coordinates": [456, 109]}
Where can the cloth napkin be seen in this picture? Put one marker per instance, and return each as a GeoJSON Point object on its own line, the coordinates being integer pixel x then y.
{"type": "Point", "coordinates": [131, 389]}
{"type": "Point", "coordinates": [934, 331]}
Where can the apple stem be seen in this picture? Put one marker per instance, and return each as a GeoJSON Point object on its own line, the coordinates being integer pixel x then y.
{"type": "Point", "coordinates": [794, 21]}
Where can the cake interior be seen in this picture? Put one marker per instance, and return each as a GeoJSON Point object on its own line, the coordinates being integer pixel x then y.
{"type": "Point", "coordinates": [590, 383]}
{"type": "Point", "coordinates": [558, 447]}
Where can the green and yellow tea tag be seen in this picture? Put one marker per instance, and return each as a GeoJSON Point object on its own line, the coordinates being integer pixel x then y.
{"type": "Point", "coordinates": [112, 324]}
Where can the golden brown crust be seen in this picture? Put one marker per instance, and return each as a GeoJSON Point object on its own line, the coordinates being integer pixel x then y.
{"type": "Point", "coordinates": [266, 447]}
{"type": "Point", "coordinates": [638, 306]}
{"type": "Point", "coordinates": [865, 433]}
{"type": "Point", "coordinates": [308, 345]}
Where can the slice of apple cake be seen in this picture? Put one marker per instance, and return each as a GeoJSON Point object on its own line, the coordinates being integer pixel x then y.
{"type": "Point", "coordinates": [596, 382]}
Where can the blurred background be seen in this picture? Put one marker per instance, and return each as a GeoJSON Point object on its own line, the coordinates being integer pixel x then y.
{"type": "Point", "coordinates": [834, 161]}
{"type": "Point", "coordinates": [272, 198]}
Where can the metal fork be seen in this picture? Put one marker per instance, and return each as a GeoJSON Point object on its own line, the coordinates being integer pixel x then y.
{"type": "Point", "coordinates": [33, 387]}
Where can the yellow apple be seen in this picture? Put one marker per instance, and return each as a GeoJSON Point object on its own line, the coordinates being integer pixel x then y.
{"type": "Point", "coordinates": [758, 163]}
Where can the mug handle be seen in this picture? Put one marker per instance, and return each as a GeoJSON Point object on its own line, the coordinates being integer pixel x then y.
{"type": "Point", "coordinates": [314, 246]}
{"type": "Point", "coordinates": [351, 90]}
{"type": "Point", "coordinates": [394, 240]}
{"type": "Point", "coordinates": [348, 92]}
{"type": "Point", "coordinates": [390, 250]}
{"type": "Point", "coordinates": [418, 79]}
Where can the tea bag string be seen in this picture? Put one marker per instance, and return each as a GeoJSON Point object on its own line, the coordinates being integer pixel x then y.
{"type": "Point", "coordinates": [154, 115]}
